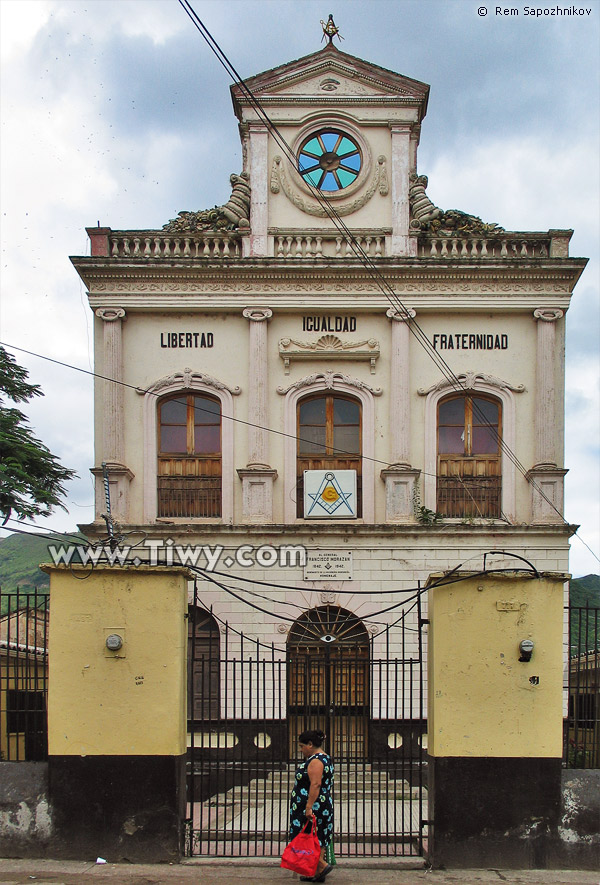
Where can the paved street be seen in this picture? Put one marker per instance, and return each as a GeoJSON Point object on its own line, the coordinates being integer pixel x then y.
{"type": "Point", "coordinates": [44, 872]}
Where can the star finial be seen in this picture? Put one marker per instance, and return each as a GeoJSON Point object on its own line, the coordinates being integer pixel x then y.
{"type": "Point", "coordinates": [330, 30]}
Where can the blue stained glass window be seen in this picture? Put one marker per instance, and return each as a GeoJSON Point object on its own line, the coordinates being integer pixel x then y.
{"type": "Point", "coordinates": [345, 177]}
{"type": "Point", "coordinates": [353, 162]}
{"type": "Point", "coordinates": [346, 146]}
{"type": "Point", "coordinates": [329, 160]}
{"type": "Point", "coordinates": [313, 147]}
{"type": "Point", "coordinates": [305, 162]}
{"type": "Point", "coordinates": [313, 177]}
{"type": "Point", "coordinates": [330, 139]}
{"type": "Point", "coordinates": [329, 183]}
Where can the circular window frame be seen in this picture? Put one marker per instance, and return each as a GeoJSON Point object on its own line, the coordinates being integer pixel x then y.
{"type": "Point", "coordinates": [335, 124]}
{"type": "Point", "coordinates": [329, 161]}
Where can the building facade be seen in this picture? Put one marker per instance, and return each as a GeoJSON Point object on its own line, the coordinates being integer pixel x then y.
{"type": "Point", "coordinates": [327, 390]}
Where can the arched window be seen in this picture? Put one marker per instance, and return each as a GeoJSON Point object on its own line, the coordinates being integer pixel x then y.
{"type": "Point", "coordinates": [189, 456]}
{"type": "Point", "coordinates": [329, 431]}
{"type": "Point", "coordinates": [469, 474]}
{"type": "Point", "coordinates": [204, 674]}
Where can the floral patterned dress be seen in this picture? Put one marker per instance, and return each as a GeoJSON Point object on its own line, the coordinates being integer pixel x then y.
{"type": "Point", "coordinates": [323, 805]}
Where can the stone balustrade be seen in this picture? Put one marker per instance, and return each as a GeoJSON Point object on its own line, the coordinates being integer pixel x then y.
{"type": "Point", "coordinates": [327, 245]}
{"type": "Point", "coordinates": [300, 245]}
{"type": "Point", "coordinates": [158, 245]}
{"type": "Point", "coordinates": [495, 246]}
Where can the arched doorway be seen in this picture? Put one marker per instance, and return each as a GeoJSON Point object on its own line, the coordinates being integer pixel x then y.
{"type": "Point", "coordinates": [328, 680]}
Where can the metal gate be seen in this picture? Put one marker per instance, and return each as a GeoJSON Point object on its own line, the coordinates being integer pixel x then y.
{"type": "Point", "coordinates": [248, 702]}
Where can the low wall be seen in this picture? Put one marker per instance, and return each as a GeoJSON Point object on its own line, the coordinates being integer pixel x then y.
{"type": "Point", "coordinates": [25, 818]}
{"type": "Point", "coordinates": [577, 846]}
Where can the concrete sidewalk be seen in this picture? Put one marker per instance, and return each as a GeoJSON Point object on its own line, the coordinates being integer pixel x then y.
{"type": "Point", "coordinates": [372, 872]}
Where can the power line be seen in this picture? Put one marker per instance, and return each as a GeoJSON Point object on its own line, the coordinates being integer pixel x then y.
{"type": "Point", "coordinates": [365, 259]}
{"type": "Point", "coordinates": [231, 418]}
{"type": "Point", "coordinates": [371, 268]}
{"type": "Point", "coordinates": [337, 450]}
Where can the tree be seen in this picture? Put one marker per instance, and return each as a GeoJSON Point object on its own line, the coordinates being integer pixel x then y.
{"type": "Point", "coordinates": [31, 477]}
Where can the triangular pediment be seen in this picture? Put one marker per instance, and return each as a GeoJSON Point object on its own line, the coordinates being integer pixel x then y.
{"type": "Point", "coordinates": [331, 73]}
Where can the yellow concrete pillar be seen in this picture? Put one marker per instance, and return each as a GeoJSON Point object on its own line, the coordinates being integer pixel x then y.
{"type": "Point", "coordinates": [494, 716]}
{"type": "Point", "coordinates": [117, 710]}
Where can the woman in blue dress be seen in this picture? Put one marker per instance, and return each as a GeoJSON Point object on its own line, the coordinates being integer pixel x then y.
{"type": "Point", "coordinates": [311, 796]}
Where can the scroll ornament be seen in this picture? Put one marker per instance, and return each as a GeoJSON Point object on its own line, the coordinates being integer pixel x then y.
{"type": "Point", "coordinates": [427, 217]}
{"type": "Point", "coordinates": [234, 215]}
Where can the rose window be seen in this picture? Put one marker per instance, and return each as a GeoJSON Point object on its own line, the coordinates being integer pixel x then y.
{"type": "Point", "coordinates": [329, 160]}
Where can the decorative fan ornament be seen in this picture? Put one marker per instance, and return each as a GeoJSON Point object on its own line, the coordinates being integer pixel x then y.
{"type": "Point", "coordinates": [328, 624]}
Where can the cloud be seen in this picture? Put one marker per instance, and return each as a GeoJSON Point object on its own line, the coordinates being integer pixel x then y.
{"type": "Point", "coordinates": [117, 111]}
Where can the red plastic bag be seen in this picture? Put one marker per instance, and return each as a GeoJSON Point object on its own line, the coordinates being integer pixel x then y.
{"type": "Point", "coordinates": [303, 852]}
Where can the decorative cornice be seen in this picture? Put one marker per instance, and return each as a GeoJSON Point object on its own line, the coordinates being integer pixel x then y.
{"type": "Point", "coordinates": [469, 381]}
{"type": "Point", "coordinates": [188, 380]}
{"type": "Point", "coordinates": [328, 380]}
{"type": "Point", "coordinates": [327, 62]}
{"type": "Point", "coordinates": [109, 278]}
{"type": "Point", "coordinates": [327, 347]}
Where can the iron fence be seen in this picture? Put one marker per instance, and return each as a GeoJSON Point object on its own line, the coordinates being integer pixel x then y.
{"type": "Point", "coordinates": [24, 620]}
{"type": "Point", "coordinates": [582, 727]}
{"type": "Point", "coordinates": [368, 699]}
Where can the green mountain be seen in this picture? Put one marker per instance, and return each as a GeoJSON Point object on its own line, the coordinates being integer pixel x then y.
{"type": "Point", "coordinates": [20, 556]}
{"type": "Point", "coordinates": [586, 591]}
{"type": "Point", "coordinates": [585, 614]}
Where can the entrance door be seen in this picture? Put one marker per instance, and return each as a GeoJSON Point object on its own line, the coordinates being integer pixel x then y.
{"type": "Point", "coordinates": [328, 681]}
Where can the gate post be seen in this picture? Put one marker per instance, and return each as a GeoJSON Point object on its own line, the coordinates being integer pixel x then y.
{"type": "Point", "coordinates": [116, 712]}
{"type": "Point", "coordinates": [495, 718]}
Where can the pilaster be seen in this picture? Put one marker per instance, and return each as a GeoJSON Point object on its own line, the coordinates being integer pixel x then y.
{"type": "Point", "coordinates": [258, 161]}
{"type": "Point", "coordinates": [547, 494]}
{"type": "Point", "coordinates": [113, 435]}
{"type": "Point", "coordinates": [258, 477]}
{"type": "Point", "coordinates": [400, 478]}
{"type": "Point", "coordinates": [119, 478]}
{"type": "Point", "coordinates": [545, 405]}
{"type": "Point", "coordinates": [402, 150]}
{"type": "Point", "coordinates": [546, 478]}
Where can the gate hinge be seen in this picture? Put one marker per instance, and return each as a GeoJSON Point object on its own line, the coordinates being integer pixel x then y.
{"type": "Point", "coordinates": [423, 621]}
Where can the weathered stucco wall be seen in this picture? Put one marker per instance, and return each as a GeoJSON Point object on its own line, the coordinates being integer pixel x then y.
{"type": "Point", "coordinates": [577, 845]}
{"type": "Point", "coordinates": [103, 702]}
{"type": "Point", "coordinates": [486, 702]}
{"type": "Point", "coordinates": [26, 828]}
{"type": "Point", "coordinates": [495, 726]}
{"type": "Point", "coordinates": [117, 718]}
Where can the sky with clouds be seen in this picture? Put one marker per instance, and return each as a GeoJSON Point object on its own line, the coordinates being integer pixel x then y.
{"type": "Point", "coordinates": [116, 111]}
